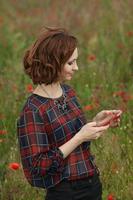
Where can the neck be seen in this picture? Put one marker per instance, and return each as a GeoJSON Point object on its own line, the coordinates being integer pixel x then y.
{"type": "Point", "coordinates": [53, 90]}
{"type": "Point", "coordinates": [53, 86]}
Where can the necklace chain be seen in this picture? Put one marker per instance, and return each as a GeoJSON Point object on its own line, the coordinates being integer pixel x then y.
{"type": "Point", "coordinates": [61, 106]}
{"type": "Point", "coordinates": [45, 91]}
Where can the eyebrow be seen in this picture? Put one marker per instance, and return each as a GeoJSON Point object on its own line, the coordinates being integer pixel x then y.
{"type": "Point", "coordinates": [73, 59]}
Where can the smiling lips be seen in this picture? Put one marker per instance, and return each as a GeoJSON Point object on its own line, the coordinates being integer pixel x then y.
{"type": "Point", "coordinates": [70, 74]}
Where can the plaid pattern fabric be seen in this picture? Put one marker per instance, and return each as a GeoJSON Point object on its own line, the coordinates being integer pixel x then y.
{"type": "Point", "coordinates": [42, 128]}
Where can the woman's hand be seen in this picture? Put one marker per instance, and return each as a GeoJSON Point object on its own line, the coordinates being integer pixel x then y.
{"type": "Point", "coordinates": [91, 131]}
{"type": "Point", "coordinates": [88, 132]}
{"type": "Point", "coordinates": [108, 117]}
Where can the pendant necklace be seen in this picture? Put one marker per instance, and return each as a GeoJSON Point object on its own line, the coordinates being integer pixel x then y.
{"type": "Point", "coordinates": [61, 103]}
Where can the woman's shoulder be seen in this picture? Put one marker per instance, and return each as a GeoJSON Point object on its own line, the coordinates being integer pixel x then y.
{"type": "Point", "coordinates": [34, 103]}
{"type": "Point", "coordinates": [68, 88]}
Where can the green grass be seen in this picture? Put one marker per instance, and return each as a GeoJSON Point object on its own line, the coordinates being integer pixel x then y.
{"type": "Point", "coordinates": [104, 29]}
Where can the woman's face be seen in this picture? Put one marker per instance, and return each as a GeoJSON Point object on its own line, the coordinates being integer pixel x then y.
{"type": "Point", "coordinates": [71, 66]}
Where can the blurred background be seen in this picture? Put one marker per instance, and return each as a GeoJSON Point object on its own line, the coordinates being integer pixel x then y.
{"type": "Point", "coordinates": [104, 29]}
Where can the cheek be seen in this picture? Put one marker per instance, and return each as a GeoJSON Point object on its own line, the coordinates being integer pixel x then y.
{"type": "Point", "coordinates": [67, 68]}
{"type": "Point", "coordinates": [64, 71]}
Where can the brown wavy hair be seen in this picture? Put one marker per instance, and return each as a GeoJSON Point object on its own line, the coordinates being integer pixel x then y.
{"type": "Point", "coordinates": [44, 60]}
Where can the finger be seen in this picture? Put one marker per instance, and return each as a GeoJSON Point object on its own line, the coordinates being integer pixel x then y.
{"type": "Point", "coordinates": [105, 113]}
{"type": "Point", "coordinates": [117, 112]}
{"type": "Point", "coordinates": [108, 112]}
{"type": "Point", "coordinates": [115, 124]}
{"type": "Point", "coordinates": [92, 123]}
{"type": "Point", "coordinates": [105, 121]}
{"type": "Point", "coordinates": [100, 116]}
{"type": "Point", "coordinates": [99, 134]}
{"type": "Point", "coordinates": [116, 120]}
{"type": "Point", "coordinates": [102, 133]}
{"type": "Point", "coordinates": [115, 117]}
{"type": "Point", "coordinates": [102, 128]}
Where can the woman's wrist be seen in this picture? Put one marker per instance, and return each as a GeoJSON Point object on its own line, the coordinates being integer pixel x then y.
{"type": "Point", "coordinates": [78, 139]}
{"type": "Point", "coordinates": [72, 144]}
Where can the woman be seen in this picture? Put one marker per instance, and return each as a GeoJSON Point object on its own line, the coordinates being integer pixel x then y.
{"type": "Point", "coordinates": [53, 133]}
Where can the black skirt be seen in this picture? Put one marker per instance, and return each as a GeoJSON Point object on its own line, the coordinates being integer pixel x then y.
{"type": "Point", "coordinates": [86, 189]}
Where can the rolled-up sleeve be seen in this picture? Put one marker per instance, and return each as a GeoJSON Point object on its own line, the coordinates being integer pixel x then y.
{"type": "Point", "coordinates": [36, 155]}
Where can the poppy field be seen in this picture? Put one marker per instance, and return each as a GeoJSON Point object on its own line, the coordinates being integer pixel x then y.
{"type": "Point", "coordinates": [104, 81]}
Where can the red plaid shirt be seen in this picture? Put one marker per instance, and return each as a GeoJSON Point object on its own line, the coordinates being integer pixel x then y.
{"type": "Point", "coordinates": [42, 128]}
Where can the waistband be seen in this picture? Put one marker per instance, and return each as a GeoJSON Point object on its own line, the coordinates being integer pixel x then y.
{"type": "Point", "coordinates": [66, 184]}
{"type": "Point", "coordinates": [89, 178]}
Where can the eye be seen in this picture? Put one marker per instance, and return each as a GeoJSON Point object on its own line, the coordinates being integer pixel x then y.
{"type": "Point", "coordinates": [70, 63]}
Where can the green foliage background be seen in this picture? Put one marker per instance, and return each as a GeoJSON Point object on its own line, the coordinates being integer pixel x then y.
{"type": "Point", "coordinates": [104, 29]}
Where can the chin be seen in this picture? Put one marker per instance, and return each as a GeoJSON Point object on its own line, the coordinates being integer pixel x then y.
{"type": "Point", "coordinates": [68, 78]}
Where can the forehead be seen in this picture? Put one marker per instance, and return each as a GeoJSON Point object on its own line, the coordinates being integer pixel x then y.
{"type": "Point", "coordinates": [75, 54]}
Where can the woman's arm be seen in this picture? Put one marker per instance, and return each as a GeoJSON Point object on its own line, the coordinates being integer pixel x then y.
{"type": "Point", "coordinates": [38, 158]}
{"type": "Point", "coordinates": [37, 155]}
{"type": "Point", "coordinates": [86, 133]}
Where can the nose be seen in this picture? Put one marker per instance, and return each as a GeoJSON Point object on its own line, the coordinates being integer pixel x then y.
{"type": "Point", "coordinates": [75, 67]}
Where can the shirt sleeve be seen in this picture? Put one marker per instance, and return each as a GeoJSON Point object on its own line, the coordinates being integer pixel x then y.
{"type": "Point", "coordinates": [36, 155]}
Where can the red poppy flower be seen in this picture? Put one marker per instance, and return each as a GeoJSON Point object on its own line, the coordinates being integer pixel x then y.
{"type": "Point", "coordinates": [122, 85]}
{"type": "Point", "coordinates": [120, 45]}
{"type": "Point", "coordinates": [110, 197]}
{"type": "Point", "coordinates": [3, 132]}
{"type": "Point", "coordinates": [1, 20]}
{"type": "Point", "coordinates": [91, 57]}
{"type": "Point", "coordinates": [124, 95]}
{"type": "Point", "coordinates": [114, 167]}
{"type": "Point", "coordinates": [130, 33]}
{"type": "Point", "coordinates": [14, 88]}
{"type": "Point", "coordinates": [2, 116]}
{"type": "Point", "coordinates": [88, 107]}
{"type": "Point", "coordinates": [14, 166]}
{"type": "Point", "coordinates": [29, 88]}
{"type": "Point", "coordinates": [119, 93]}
